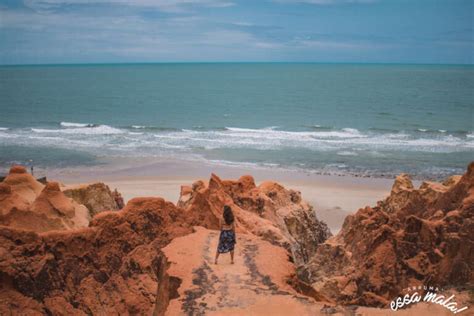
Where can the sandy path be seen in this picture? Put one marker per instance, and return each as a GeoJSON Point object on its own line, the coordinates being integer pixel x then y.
{"type": "Point", "coordinates": [254, 285]}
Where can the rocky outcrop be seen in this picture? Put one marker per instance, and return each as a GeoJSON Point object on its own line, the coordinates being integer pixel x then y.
{"type": "Point", "coordinates": [10, 201]}
{"type": "Point", "coordinates": [55, 205]}
{"type": "Point", "coordinates": [414, 237]}
{"type": "Point", "coordinates": [27, 204]}
{"type": "Point", "coordinates": [50, 210]}
{"type": "Point", "coordinates": [97, 197]}
{"type": "Point", "coordinates": [115, 266]}
{"type": "Point", "coordinates": [23, 183]}
{"type": "Point", "coordinates": [268, 210]}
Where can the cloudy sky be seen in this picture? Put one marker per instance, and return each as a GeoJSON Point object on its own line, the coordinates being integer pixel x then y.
{"type": "Point", "coordinates": [83, 31]}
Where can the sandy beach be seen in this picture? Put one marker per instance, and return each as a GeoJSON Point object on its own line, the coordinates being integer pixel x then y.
{"type": "Point", "coordinates": [333, 197]}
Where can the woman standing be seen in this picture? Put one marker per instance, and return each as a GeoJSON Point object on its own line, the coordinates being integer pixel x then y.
{"type": "Point", "coordinates": [227, 238]}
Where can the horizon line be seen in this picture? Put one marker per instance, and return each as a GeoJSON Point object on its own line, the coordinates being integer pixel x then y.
{"type": "Point", "coordinates": [230, 62]}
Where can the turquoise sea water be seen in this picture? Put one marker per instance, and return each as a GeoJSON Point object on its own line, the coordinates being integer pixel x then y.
{"type": "Point", "coordinates": [374, 120]}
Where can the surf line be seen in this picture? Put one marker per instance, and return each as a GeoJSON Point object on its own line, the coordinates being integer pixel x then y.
{"type": "Point", "coordinates": [429, 297]}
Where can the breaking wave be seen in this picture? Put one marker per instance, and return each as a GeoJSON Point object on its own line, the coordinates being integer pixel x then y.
{"type": "Point", "coordinates": [345, 141]}
{"type": "Point", "coordinates": [84, 130]}
{"type": "Point", "coordinates": [358, 151]}
{"type": "Point", "coordinates": [70, 124]}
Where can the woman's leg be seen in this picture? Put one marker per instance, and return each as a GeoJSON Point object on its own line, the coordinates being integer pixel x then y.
{"type": "Point", "coordinates": [217, 256]}
{"type": "Point", "coordinates": [232, 256]}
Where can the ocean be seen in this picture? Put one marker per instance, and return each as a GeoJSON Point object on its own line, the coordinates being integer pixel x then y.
{"type": "Point", "coordinates": [360, 119]}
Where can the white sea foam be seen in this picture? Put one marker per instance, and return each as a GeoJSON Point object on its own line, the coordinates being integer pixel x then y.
{"type": "Point", "coordinates": [442, 130]}
{"type": "Point", "coordinates": [71, 124]}
{"type": "Point", "coordinates": [422, 130]}
{"type": "Point", "coordinates": [351, 130]}
{"type": "Point", "coordinates": [138, 126]}
{"type": "Point", "coordinates": [271, 133]}
{"type": "Point", "coordinates": [375, 153]}
{"type": "Point", "coordinates": [194, 143]}
{"type": "Point", "coordinates": [347, 153]}
{"type": "Point", "coordinates": [342, 142]}
{"type": "Point", "coordinates": [398, 135]}
{"type": "Point", "coordinates": [249, 165]}
{"type": "Point", "coordinates": [6, 135]}
{"type": "Point", "coordinates": [3, 128]}
{"type": "Point", "coordinates": [96, 130]}
{"type": "Point", "coordinates": [240, 129]}
{"type": "Point", "coordinates": [315, 140]}
{"type": "Point", "coordinates": [46, 138]}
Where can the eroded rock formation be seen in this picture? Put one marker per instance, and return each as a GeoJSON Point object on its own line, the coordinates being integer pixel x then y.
{"type": "Point", "coordinates": [27, 204]}
{"type": "Point", "coordinates": [10, 200]}
{"type": "Point", "coordinates": [23, 183]}
{"type": "Point", "coordinates": [97, 197]}
{"type": "Point", "coordinates": [115, 266]}
{"type": "Point", "coordinates": [414, 237]}
{"type": "Point", "coordinates": [268, 210]}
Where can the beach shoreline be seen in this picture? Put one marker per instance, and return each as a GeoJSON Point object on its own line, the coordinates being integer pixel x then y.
{"type": "Point", "coordinates": [333, 197]}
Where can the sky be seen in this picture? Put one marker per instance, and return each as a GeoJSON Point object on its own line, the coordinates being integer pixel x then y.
{"type": "Point", "coordinates": [116, 31]}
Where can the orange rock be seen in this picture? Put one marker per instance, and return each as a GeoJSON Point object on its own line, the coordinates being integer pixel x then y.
{"type": "Point", "coordinates": [23, 183]}
{"type": "Point", "coordinates": [415, 236]}
{"type": "Point", "coordinates": [51, 210]}
{"type": "Point", "coordinates": [115, 266]}
{"type": "Point", "coordinates": [17, 169]}
{"type": "Point", "coordinates": [55, 204]}
{"type": "Point", "coordinates": [97, 197]}
{"type": "Point", "coordinates": [269, 211]}
{"type": "Point", "coordinates": [10, 201]}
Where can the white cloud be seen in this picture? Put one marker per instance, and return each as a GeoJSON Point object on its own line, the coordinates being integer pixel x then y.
{"type": "Point", "coordinates": [329, 44]}
{"type": "Point", "coordinates": [268, 45]}
{"type": "Point", "coordinates": [325, 2]}
{"type": "Point", "coordinates": [238, 39]}
{"type": "Point", "coordinates": [339, 45]}
{"type": "Point", "coordinates": [239, 23]}
{"type": "Point", "coordinates": [76, 36]}
{"type": "Point", "coordinates": [165, 5]}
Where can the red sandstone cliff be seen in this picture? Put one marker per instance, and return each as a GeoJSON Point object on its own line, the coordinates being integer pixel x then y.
{"type": "Point", "coordinates": [116, 264]}
{"type": "Point", "coordinates": [268, 210]}
{"type": "Point", "coordinates": [27, 204]}
{"type": "Point", "coordinates": [97, 197]}
{"type": "Point", "coordinates": [23, 183]}
{"type": "Point", "coordinates": [414, 237]}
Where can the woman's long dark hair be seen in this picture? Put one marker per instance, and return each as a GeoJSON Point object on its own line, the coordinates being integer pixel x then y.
{"type": "Point", "coordinates": [228, 215]}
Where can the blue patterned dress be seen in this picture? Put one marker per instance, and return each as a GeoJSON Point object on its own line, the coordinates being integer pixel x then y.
{"type": "Point", "coordinates": [226, 241]}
